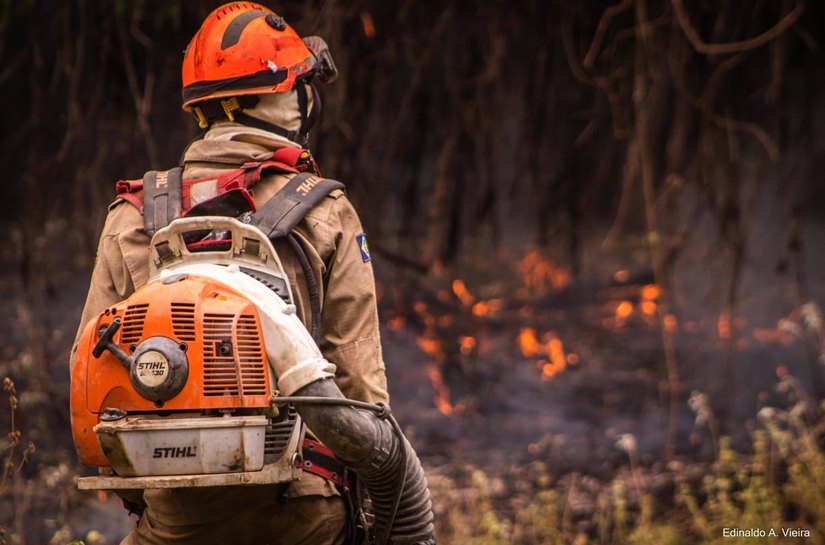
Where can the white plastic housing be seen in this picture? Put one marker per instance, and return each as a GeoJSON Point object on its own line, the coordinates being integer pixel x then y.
{"type": "Point", "coordinates": [140, 446]}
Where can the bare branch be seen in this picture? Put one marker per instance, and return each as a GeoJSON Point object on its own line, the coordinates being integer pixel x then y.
{"type": "Point", "coordinates": [601, 30]}
{"type": "Point", "coordinates": [572, 59]}
{"type": "Point", "coordinates": [732, 47]}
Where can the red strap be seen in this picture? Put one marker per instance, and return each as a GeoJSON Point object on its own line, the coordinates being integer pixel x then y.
{"type": "Point", "coordinates": [290, 156]}
{"type": "Point", "coordinates": [135, 199]}
{"type": "Point", "coordinates": [287, 160]}
{"type": "Point", "coordinates": [209, 245]}
{"type": "Point", "coordinates": [128, 186]}
{"type": "Point", "coordinates": [319, 460]}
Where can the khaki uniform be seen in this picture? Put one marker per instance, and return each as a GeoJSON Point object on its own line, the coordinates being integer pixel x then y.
{"type": "Point", "coordinates": [306, 510]}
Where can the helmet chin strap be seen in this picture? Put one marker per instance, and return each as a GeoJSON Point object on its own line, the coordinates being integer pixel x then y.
{"type": "Point", "coordinates": [233, 109]}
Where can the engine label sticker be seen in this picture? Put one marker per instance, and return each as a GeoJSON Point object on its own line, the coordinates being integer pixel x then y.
{"type": "Point", "coordinates": [152, 368]}
{"type": "Point", "coordinates": [364, 247]}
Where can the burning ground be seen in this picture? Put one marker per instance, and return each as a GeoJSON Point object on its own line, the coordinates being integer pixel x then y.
{"type": "Point", "coordinates": [522, 386]}
{"type": "Point", "coordinates": [554, 370]}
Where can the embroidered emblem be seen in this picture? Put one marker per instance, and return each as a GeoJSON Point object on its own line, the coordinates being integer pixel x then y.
{"type": "Point", "coordinates": [364, 247]}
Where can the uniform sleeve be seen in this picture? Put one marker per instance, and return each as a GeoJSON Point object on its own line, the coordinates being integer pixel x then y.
{"type": "Point", "coordinates": [350, 335]}
{"type": "Point", "coordinates": [121, 265]}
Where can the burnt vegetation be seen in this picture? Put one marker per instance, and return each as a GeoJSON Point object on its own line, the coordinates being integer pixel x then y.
{"type": "Point", "coordinates": [594, 226]}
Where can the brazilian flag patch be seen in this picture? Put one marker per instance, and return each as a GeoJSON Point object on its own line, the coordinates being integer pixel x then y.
{"type": "Point", "coordinates": [364, 247]}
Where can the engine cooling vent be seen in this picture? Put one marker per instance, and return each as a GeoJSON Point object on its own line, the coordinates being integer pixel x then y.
{"type": "Point", "coordinates": [234, 362]}
{"type": "Point", "coordinates": [183, 321]}
{"type": "Point", "coordinates": [278, 432]}
{"type": "Point", "coordinates": [250, 356]}
{"type": "Point", "coordinates": [220, 374]}
{"type": "Point", "coordinates": [133, 319]}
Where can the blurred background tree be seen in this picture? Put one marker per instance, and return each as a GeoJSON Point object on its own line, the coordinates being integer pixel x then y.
{"type": "Point", "coordinates": [565, 147]}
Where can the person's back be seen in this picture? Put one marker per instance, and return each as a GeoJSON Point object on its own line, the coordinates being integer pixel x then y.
{"type": "Point", "coordinates": [251, 109]}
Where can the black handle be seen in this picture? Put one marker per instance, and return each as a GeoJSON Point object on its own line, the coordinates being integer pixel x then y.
{"type": "Point", "coordinates": [105, 343]}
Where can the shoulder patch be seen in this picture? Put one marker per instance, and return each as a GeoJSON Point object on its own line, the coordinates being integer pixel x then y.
{"type": "Point", "coordinates": [364, 247]}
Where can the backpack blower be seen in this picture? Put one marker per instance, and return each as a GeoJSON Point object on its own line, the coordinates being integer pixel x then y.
{"type": "Point", "coordinates": [205, 377]}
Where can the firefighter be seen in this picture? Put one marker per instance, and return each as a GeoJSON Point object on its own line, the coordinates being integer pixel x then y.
{"type": "Point", "coordinates": [248, 79]}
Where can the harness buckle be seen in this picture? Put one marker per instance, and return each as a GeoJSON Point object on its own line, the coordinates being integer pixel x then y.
{"type": "Point", "coordinates": [229, 106]}
{"type": "Point", "coordinates": [202, 121]}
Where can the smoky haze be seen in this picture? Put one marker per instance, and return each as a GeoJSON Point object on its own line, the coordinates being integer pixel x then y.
{"type": "Point", "coordinates": [585, 222]}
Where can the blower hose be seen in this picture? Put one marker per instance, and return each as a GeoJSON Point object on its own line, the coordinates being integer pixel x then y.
{"type": "Point", "coordinates": [372, 445]}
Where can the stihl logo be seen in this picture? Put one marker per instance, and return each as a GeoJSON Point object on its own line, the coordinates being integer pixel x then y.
{"type": "Point", "coordinates": [307, 186]}
{"type": "Point", "coordinates": [151, 365]}
{"type": "Point", "coordinates": [175, 452]}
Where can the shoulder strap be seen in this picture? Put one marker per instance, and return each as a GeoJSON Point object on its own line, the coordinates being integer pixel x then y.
{"type": "Point", "coordinates": [161, 198]}
{"type": "Point", "coordinates": [280, 214]}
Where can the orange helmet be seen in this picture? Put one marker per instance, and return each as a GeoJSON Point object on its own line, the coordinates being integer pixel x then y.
{"type": "Point", "coordinates": [245, 49]}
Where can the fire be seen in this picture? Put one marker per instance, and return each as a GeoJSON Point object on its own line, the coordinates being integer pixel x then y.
{"type": "Point", "coordinates": [396, 324]}
{"type": "Point", "coordinates": [467, 344]}
{"type": "Point", "coordinates": [460, 291]}
{"type": "Point", "coordinates": [621, 276]}
{"type": "Point", "coordinates": [431, 347]}
{"type": "Point", "coordinates": [442, 394]}
{"type": "Point", "coordinates": [772, 336]}
{"type": "Point", "coordinates": [540, 274]}
{"type": "Point", "coordinates": [623, 312]}
{"type": "Point", "coordinates": [651, 292]}
{"type": "Point", "coordinates": [550, 349]}
{"type": "Point", "coordinates": [558, 361]}
{"type": "Point", "coordinates": [528, 342]}
{"type": "Point", "coordinates": [489, 308]}
{"type": "Point", "coordinates": [368, 24]}
{"type": "Point", "coordinates": [723, 326]}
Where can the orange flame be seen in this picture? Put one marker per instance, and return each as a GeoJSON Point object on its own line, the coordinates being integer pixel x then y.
{"type": "Point", "coordinates": [723, 326]}
{"type": "Point", "coordinates": [621, 276]}
{"type": "Point", "coordinates": [396, 324]}
{"type": "Point", "coordinates": [368, 24]}
{"type": "Point", "coordinates": [623, 312]}
{"type": "Point", "coordinates": [551, 348]}
{"type": "Point", "coordinates": [528, 342]}
{"type": "Point", "coordinates": [431, 347]}
{"type": "Point", "coordinates": [558, 361]}
{"type": "Point", "coordinates": [460, 291]}
{"type": "Point", "coordinates": [442, 394]}
{"type": "Point", "coordinates": [651, 292]}
{"type": "Point", "coordinates": [489, 308]}
{"type": "Point", "coordinates": [772, 336]}
{"type": "Point", "coordinates": [540, 274]}
{"type": "Point", "coordinates": [467, 344]}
